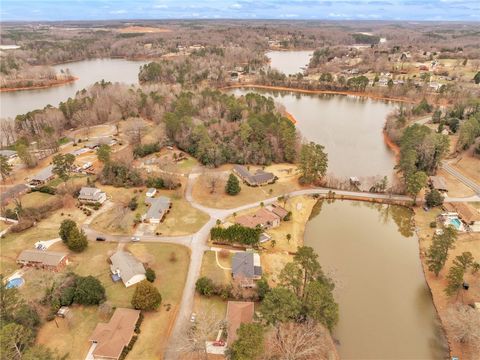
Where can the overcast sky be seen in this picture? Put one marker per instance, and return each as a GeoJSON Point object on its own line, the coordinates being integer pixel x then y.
{"type": "Point", "coordinates": [465, 10]}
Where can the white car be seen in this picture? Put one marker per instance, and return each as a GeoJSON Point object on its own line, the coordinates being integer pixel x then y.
{"type": "Point", "coordinates": [135, 238]}
{"type": "Point", "coordinates": [193, 317]}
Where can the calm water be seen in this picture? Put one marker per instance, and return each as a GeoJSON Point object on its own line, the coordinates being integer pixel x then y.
{"type": "Point", "coordinates": [88, 72]}
{"type": "Point", "coordinates": [386, 310]}
{"type": "Point", "coordinates": [349, 127]}
{"type": "Point", "coordinates": [289, 62]}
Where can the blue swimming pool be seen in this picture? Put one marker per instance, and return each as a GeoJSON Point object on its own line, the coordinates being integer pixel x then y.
{"type": "Point", "coordinates": [456, 223]}
{"type": "Point", "coordinates": [15, 283]}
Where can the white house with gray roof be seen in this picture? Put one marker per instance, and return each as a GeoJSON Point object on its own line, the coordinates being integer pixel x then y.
{"type": "Point", "coordinates": [158, 208]}
{"type": "Point", "coordinates": [127, 267]}
{"type": "Point", "coordinates": [91, 195]}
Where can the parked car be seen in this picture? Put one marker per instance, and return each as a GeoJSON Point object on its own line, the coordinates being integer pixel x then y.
{"type": "Point", "coordinates": [135, 238]}
{"type": "Point", "coordinates": [193, 317]}
{"type": "Point", "coordinates": [101, 238]}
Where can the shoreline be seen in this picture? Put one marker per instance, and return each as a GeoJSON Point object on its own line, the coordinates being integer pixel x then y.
{"type": "Point", "coordinates": [318, 92]}
{"type": "Point", "coordinates": [36, 87]}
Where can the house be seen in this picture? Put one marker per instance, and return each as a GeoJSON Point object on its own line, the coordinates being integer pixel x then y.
{"type": "Point", "coordinates": [9, 154]}
{"type": "Point", "coordinates": [48, 260]}
{"type": "Point", "coordinates": [281, 212]}
{"type": "Point", "coordinates": [91, 195]}
{"type": "Point", "coordinates": [438, 183]}
{"type": "Point", "coordinates": [127, 267]}
{"type": "Point", "coordinates": [264, 218]}
{"type": "Point", "coordinates": [466, 212]}
{"type": "Point", "coordinates": [151, 192]}
{"type": "Point", "coordinates": [42, 177]}
{"type": "Point", "coordinates": [258, 179]}
{"type": "Point", "coordinates": [247, 268]}
{"type": "Point", "coordinates": [159, 207]}
{"type": "Point", "coordinates": [93, 144]}
{"type": "Point", "coordinates": [238, 312]}
{"type": "Point", "coordinates": [109, 339]}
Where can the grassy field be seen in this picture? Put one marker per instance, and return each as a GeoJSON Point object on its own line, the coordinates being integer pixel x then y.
{"type": "Point", "coordinates": [288, 181]}
{"type": "Point", "coordinates": [32, 199]}
{"type": "Point", "coordinates": [171, 272]}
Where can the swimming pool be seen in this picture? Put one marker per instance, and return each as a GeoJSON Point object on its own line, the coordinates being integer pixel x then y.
{"type": "Point", "coordinates": [15, 283]}
{"type": "Point", "coordinates": [456, 223]}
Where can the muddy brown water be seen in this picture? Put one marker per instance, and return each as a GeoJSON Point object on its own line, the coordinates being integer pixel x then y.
{"type": "Point", "coordinates": [289, 62]}
{"type": "Point", "coordinates": [386, 310]}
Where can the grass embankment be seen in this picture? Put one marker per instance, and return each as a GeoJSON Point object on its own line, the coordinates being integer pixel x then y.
{"type": "Point", "coordinates": [287, 181]}
{"type": "Point", "coordinates": [53, 83]}
{"type": "Point", "coordinates": [171, 274]}
{"type": "Point", "coordinates": [465, 242]}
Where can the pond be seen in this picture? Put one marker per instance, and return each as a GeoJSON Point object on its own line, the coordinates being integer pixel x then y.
{"type": "Point", "coordinates": [289, 62]}
{"type": "Point", "coordinates": [350, 128]}
{"type": "Point", "coordinates": [88, 72]}
{"type": "Point", "coordinates": [370, 250]}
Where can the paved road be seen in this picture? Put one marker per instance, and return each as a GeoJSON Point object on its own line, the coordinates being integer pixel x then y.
{"type": "Point", "coordinates": [462, 178]}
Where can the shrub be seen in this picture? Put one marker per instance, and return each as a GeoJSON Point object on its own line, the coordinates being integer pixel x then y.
{"type": "Point", "coordinates": [22, 225]}
{"type": "Point", "coordinates": [146, 149]}
{"type": "Point", "coordinates": [236, 234]}
{"type": "Point", "coordinates": [45, 189]}
{"type": "Point", "coordinates": [150, 275]}
{"type": "Point", "coordinates": [133, 204]}
{"type": "Point", "coordinates": [173, 257]}
{"type": "Point", "coordinates": [433, 224]}
{"type": "Point", "coordinates": [146, 297]}
{"type": "Point", "coordinates": [89, 291]}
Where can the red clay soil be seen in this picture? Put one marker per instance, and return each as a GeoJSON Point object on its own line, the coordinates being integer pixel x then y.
{"type": "Point", "coordinates": [35, 87]}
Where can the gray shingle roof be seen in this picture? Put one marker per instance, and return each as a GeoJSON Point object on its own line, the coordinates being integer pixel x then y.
{"type": "Point", "coordinates": [158, 206]}
{"type": "Point", "coordinates": [242, 265]}
{"type": "Point", "coordinates": [127, 264]}
{"type": "Point", "coordinates": [260, 177]}
{"type": "Point", "coordinates": [50, 258]}
{"type": "Point", "coordinates": [8, 153]}
{"type": "Point", "coordinates": [44, 174]}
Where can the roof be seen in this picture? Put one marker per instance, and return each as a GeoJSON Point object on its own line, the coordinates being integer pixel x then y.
{"type": "Point", "coordinates": [242, 265]}
{"type": "Point", "coordinates": [278, 210]}
{"type": "Point", "coordinates": [50, 258]}
{"type": "Point", "coordinates": [151, 190]}
{"type": "Point", "coordinates": [261, 217]}
{"type": "Point", "coordinates": [127, 264]}
{"type": "Point", "coordinates": [157, 207]}
{"type": "Point", "coordinates": [260, 176]}
{"type": "Point", "coordinates": [438, 182]}
{"type": "Point", "coordinates": [238, 312]}
{"type": "Point", "coordinates": [89, 193]}
{"type": "Point", "coordinates": [8, 153]}
{"type": "Point", "coordinates": [44, 174]}
{"type": "Point", "coordinates": [467, 212]}
{"type": "Point", "coordinates": [113, 336]}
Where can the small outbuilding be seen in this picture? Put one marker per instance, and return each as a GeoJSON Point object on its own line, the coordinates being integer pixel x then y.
{"type": "Point", "coordinates": [151, 192]}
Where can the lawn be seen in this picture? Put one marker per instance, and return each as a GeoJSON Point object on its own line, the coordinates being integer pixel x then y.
{"type": "Point", "coordinates": [32, 199]}
{"type": "Point", "coordinates": [171, 273]}
{"type": "Point", "coordinates": [287, 182]}
{"type": "Point", "coordinates": [211, 270]}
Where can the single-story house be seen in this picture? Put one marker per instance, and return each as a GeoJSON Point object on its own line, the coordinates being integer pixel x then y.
{"type": "Point", "coordinates": [238, 312]}
{"type": "Point", "coordinates": [93, 144]}
{"type": "Point", "coordinates": [151, 192]}
{"type": "Point", "coordinates": [111, 338]}
{"type": "Point", "coordinates": [258, 179]}
{"type": "Point", "coordinates": [42, 177]}
{"type": "Point", "coordinates": [247, 268]}
{"type": "Point", "coordinates": [91, 195]}
{"type": "Point", "coordinates": [438, 183]}
{"type": "Point", "coordinates": [281, 212]}
{"type": "Point", "coordinates": [127, 267]}
{"type": "Point", "coordinates": [9, 154]}
{"type": "Point", "coordinates": [263, 218]}
{"type": "Point", "coordinates": [159, 207]}
{"type": "Point", "coordinates": [466, 212]}
{"type": "Point", "coordinates": [48, 260]}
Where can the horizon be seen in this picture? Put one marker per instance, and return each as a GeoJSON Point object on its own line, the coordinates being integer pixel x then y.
{"type": "Point", "coordinates": [301, 10]}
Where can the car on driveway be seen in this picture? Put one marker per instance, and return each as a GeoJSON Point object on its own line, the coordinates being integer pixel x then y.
{"type": "Point", "coordinates": [135, 238]}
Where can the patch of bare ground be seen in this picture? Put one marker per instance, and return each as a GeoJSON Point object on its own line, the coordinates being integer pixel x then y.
{"type": "Point", "coordinates": [465, 242]}
{"type": "Point", "coordinates": [455, 187]}
{"type": "Point", "coordinates": [469, 165]}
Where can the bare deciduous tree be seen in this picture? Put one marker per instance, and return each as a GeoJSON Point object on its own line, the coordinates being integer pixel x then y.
{"type": "Point", "coordinates": [464, 323]}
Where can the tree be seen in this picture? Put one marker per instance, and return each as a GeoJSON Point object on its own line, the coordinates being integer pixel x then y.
{"type": "Point", "coordinates": [14, 340]}
{"type": "Point", "coordinates": [437, 253]}
{"type": "Point", "coordinates": [40, 352]}
{"type": "Point", "coordinates": [476, 78]}
{"type": "Point", "coordinates": [233, 185]}
{"type": "Point", "coordinates": [104, 153]}
{"type": "Point", "coordinates": [313, 163]}
{"type": "Point", "coordinates": [24, 154]}
{"type": "Point", "coordinates": [262, 288]}
{"type": "Point", "coordinates": [77, 240]}
{"type": "Point", "coordinates": [457, 272]}
{"type": "Point", "coordinates": [205, 286]}
{"type": "Point", "coordinates": [146, 297]}
{"type": "Point", "coordinates": [415, 183]}
{"type": "Point", "coordinates": [280, 305]}
{"type": "Point", "coordinates": [9, 302]}
{"type": "Point", "coordinates": [62, 165]}
{"type": "Point", "coordinates": [463, 323]}
{"type": "Point", "coordinates": [5, 168]}
{"type": "Point", "coordinates": [320, 305]}
{"type": "Point", "coordinates": [65, 228]}
{"type": "Point", "coordinates": [150, 274]}
{"type": "Point", "coordinates": [434, 198]}
{"type": "Point", "coordinates": [89, 291]}
{"type": "Point", "coordinates": [249, 344]}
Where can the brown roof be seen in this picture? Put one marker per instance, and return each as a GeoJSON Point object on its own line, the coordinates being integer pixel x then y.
{"type": "Point", "coordinates": [238, 312]}
{"type": "Point", "coordinates": [261, 217]}
{"type": "Point", "coordinates": [113, 336]}
{"type": "Point", "coordinates": [49, 258]}
{"type": "Point", "coordinates": [467, 212]}
{"type": "Point", "coordinates": [280, 211]}
{"type": "Point", "coordinates": [438, 182]}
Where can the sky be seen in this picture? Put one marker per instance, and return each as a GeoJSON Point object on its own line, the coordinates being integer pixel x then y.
{"type": "Point", "coordinates": [52, 10]}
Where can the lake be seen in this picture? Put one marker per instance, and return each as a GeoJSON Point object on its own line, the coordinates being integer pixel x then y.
{"type": "Point", "coordinates": [386, 311]}
{"type": "Point", "coordinates": [289, 62]}
{"type": "Point", "coordinates": [350, 128]}
{"type": "Point", "coordinates": [88, 72]}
